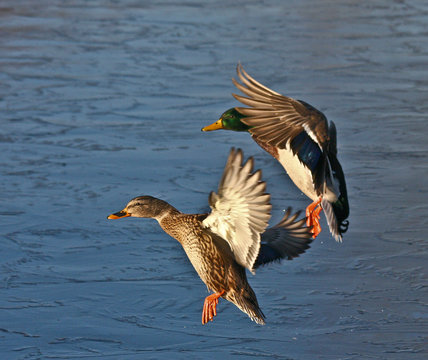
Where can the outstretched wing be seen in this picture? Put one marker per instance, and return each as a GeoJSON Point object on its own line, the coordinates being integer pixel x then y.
{"type": "Point", "coordinates": [240, 208]}
{"type": "Point", "coordinates": [275, 118]}
{"type": "Point", "coordinates": [282, 122]}
{"type": "Point", "coordinates": [286, 240]}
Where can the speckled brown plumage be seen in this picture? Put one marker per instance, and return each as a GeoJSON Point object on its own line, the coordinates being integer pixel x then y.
{"type": "Point", "coordinates": [213, 260]}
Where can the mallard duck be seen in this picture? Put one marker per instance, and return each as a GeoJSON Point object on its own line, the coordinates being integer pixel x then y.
{"type": "Point", "coordinates": [301, 139]}
{"type": "Point", "coordinates": [233, 237]}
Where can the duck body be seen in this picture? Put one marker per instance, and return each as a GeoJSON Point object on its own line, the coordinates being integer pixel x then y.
{"type": "Point", "coordinates": [301, 139]}
{"type": "Point", "coordinates": [301, 166]}
{"type": "Point", "coordinates": [317, 173]}
{"type": "Point", "coordinates": [214, 261]}
{"type": "Point", "coordinates": [300, 158]}
{"type": "Point", "coordinates": [233, 237]}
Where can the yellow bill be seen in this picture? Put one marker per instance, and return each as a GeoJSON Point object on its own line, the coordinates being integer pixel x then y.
{"type": "Point", "coordinates": [214, 126]}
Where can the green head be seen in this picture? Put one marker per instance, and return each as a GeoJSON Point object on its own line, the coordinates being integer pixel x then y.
{"type": "Point", "coordinates": [229, 120]}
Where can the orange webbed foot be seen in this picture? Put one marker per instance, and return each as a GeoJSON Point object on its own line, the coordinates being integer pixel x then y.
{"type": "Point", "coordinates": [209, 310]}
{"type": "Point", "coordinates": [313, 217]}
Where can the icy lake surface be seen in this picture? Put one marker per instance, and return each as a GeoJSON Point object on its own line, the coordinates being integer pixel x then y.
{"type": "Point", "coordinates": [101, 101]}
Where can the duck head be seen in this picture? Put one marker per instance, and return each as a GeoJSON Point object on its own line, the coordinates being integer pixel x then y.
{"type": "Point", "coordinates": [229, 120]}
{"type": "Point", "coordinates": [143, 207]}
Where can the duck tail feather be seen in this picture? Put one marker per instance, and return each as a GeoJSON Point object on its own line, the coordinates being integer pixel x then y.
{"type": "Point", "coordinates": [332, 220]}
{"type": "Point", "coordinates": [247, 303]}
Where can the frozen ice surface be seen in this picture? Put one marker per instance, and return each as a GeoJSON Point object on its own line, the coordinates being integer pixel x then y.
{"type": "Point", "coordinates": [101, 101]}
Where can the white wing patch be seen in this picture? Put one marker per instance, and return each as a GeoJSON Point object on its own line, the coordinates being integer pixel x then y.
{"type": "Point", "coordinates": [240, 209]}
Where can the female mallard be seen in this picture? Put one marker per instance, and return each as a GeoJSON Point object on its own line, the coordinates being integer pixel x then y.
{"type": "Point", "coordinates": [220, 245]}
{"type": "Point", "coordinates": [301, 139]}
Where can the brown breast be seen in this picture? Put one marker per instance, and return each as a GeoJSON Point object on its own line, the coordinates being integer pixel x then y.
{"type": "Point", "coordinates": [210, 255]}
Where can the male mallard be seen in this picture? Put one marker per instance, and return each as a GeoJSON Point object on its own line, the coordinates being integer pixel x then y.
{"type": "Point", "coordinates": [220, 245]}
{"type": "Point", "coordinates": [301, 139]}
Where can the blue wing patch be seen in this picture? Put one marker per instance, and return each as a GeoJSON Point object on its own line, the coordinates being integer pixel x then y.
{"type": "Point", "coordinates": [307, 150]}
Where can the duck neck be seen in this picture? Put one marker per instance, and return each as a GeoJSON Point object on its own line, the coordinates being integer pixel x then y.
{"type": "Point", "coordinates": [166, 211]}
{"type": "Point", "coordinates": [166, 219]}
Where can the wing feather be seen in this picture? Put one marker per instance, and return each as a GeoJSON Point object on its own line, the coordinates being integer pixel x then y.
{"type": "Point", "coordinates": [247, 79]}
{"type": "Point", "coordinates": [265, 105]}
{"type": "Point", "coordinates": [286, 240]}
{"type": "Point", "coordinates": [240, 208]}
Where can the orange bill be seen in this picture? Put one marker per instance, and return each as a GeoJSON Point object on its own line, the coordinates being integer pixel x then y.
{"type": "Point", "coordinates": [118, 215]}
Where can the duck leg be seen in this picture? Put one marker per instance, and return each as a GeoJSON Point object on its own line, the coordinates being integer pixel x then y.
{"type": "Point", "coordinates": [313, 217]}
{"type": "Point", "coordinates": [209, 310]}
